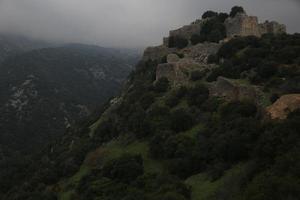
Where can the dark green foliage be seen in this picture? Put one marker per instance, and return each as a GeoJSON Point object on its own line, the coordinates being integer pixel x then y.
{"type": "Point", "coordinates": [162, 85]}
{"type": "Point", "coordinates": [107, 130]}
{"type": "Point", "coordinates": [157, 144]}
{"type": "Point", "coordinates": [181, 120]}
{"type": "Point", "coordinates": [197, 75]}
{"type": "Point", "coordinates": [267, 69]}
{"type": "Point", "coordinates": [229, 49]}
{"type": "Point", "coordinates": [177, 42]}
{"type": "Point", "coordinates": [197, 95]}
{"type": "Point", "coordinates": [147, 99]}
{"type": "Point", "coordinates": [235, 10]}
{"type": "Point", "coordinates": [213, 30]}
{"type": "Point", "coordinates": [268, 60]}
{"type": "Point", "coordinates": [222, 17]}
{"type": "Point", "coordinates": [212, 59]}
{"type": "Point", "coordinates": [125, 169]}
{"type": "Point", "coordinates": [176, 95]}
{"type": "Point", "coordinates": [196, 39]}
{"type": "Point", "coordinates": [238, 109]}
{"type": "Point", "coordinates": [209, 14]}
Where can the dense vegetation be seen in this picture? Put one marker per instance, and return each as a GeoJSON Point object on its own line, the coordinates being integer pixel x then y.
{"type": "Point", "coordinates": [271, 61]}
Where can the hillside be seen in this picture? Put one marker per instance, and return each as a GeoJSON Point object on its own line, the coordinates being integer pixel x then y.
{"type": "Point", "coordinates": [44, 91]}
{"type": "Point", "coordinates": [211, 114]}
{"type": "Point", "coordinates": [13, 44]}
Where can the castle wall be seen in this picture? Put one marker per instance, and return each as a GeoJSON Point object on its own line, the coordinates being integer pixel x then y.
{"type": "Point", "coordinates": [244, 25]}
{"type": "Point", "coordinates": [187, 31]}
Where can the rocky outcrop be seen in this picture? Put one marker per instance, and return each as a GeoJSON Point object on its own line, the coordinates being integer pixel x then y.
{"type": "Point", "coordinates": [156, 53]}
{"type": "Point", "coordinates": [232, 91]}
{"type": "Point", "coordinates": [284, 106]}
{"type": "Point", "coordinates": [177, 72]}
{"type": "Point", "coordinates": [244, 25]}
{"type": "Point", "coordinates": [171, 58]}
{"type": "Point", "coordinates": [201, 51]}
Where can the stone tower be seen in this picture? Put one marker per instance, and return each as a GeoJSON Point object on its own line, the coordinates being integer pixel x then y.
{"type": "Point", "coordinates": [244, 25]}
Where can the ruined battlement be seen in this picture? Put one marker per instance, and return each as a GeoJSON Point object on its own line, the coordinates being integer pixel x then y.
{"type": "Point", "coordinates": [244, 25]}
{"type": "Point", "coordinates": [240, 25]}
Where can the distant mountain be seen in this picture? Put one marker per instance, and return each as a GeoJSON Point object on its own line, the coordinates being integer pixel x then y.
{"type": "Point", "coordinates": [13, 44]}
{"type": "Point", "coordinates": [44, 91]}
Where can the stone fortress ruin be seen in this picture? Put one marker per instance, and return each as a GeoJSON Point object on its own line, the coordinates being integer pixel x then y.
{"type": "Point", "coordinates": [244, 25]}
{"type": "Point", "coordinates": [240, 25]}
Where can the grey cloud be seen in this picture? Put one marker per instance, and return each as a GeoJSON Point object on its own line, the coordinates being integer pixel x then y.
{"type": "Point", "coordinates": [125, 23]}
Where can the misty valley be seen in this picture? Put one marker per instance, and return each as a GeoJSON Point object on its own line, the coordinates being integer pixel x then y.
{"type": "Point", "coordinates": [211, 113]}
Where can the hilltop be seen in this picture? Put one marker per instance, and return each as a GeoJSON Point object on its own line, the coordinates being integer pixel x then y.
{"type": "Point", "coordinates": [212, 113]}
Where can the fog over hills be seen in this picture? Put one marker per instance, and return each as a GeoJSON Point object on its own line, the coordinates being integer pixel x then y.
{"type": "Point", "coordinates": [125, 23]}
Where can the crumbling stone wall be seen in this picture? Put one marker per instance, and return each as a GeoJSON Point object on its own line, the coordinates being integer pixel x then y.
{"type": "Point", "coordinates": [272, 27]}
{"type": "Point", "coordinates": [244, 25]}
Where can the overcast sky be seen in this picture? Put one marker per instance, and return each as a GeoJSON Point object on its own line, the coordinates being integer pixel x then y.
{"type": "Point", "coordinates": [126, 23]}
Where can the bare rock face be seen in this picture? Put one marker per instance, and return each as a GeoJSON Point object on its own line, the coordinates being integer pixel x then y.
{"type": "Point", "coordinates": [284, 106]}
{"type": "Point", "coordinates": [201, 51]}
{"type": "Point", "coordinates": [177, 72]}
{"type": "Point", "coordinates": [171, 58]}
{"type": "Point", "coordinates": [231, 91]}
{"type": "Point", "coordinates": [156, 53]}
{"type": "Point", "coordinates": [244, 25]}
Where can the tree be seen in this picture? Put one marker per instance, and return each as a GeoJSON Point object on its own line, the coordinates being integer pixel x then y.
{"type": "Point", "coordinates": [209, 14]}
{"type": "Point", "coordinates": [196, 39]}
{"type": "Point", "coordinates": [181, 120]}
{"type": "Point", "coordinates": [235, 10]}
{"type": "Point", "coordinates": [162, 85]}
{"type": "Point", "coordinates": [125, 169]}
{"type": "Point", "coordinates": [213, 30]}
{"type": "Point", "coordinates": [197, 95]}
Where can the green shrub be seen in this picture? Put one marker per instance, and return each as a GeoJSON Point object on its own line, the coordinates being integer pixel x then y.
{"type": "Point", "coordinates": [267, 69]}
{"type": "Point", "coordinates": [213, 30]}
{"type": "Point", "coordinates": [125, 169]}
{"type": "Point", "coordinates": [242, 109]}
{"type": "Point", "coordinates": [181, 120]}
{"type": "Point", "coordinates": [235, 10]}
{"type": "Point", "coordinates": [222, 17]}
{"type": "Point", "coordinates": [209, 14]}
{"type": "Point", "coordinates": [174, 98]}
{"type": "Point", "coordinates": [212, 59]}
{"type": "Point", "coordinates": [196, 39]}
{"type": "Point", "coordinates": [197, 75]}
{"type": "Point", "coordinates": [197, 95]}
{"type": "Point", "coordinates": [162, 85]}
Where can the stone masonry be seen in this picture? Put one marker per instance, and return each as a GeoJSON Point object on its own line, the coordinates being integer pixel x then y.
{"type": "Point", "coordinates": [244, 25]}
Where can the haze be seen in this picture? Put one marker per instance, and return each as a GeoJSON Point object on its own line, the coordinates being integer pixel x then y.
{"type": "Point", "coordinates": [126, 23]}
